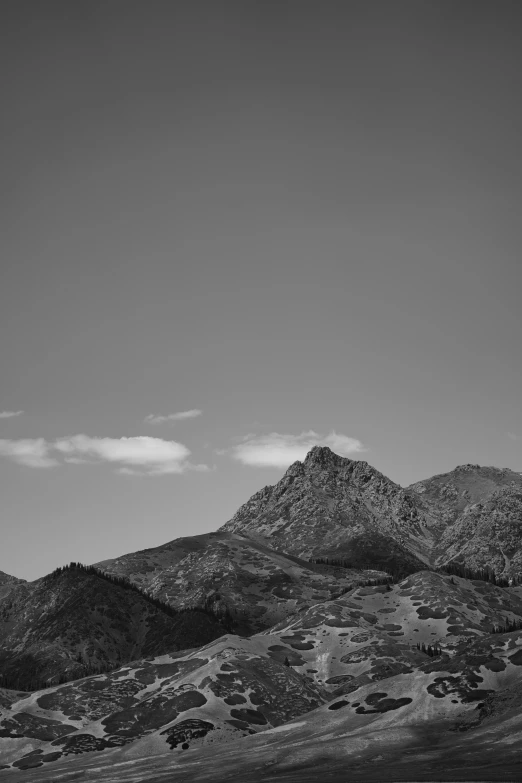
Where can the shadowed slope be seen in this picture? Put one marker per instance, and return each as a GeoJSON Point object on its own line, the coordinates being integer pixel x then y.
{"type": "Point", "coordinates": [71, 623]}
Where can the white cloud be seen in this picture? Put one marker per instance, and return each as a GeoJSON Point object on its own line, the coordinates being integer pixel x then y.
{"type": "Point", "coordinates": [10, 414]}
{"type": "Point", "coordinates": [140, 454]}
{"type": "Point", "coordinates": [280, 450]}
{"type": "Point", "coordinates": [33, 452]}
{"type": "Point", "coordinates": [152, 418]}
{"type": "Point", "coordinates": [151, 455]}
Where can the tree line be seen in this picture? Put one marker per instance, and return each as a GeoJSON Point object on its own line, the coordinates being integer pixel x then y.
{"type": "Point", "coordinates": [341, 563]}
{"type": "Point", "coordinates": [508, 627]}
{"type": "Point", "coordinates": [32, 681]}
{"type": "Point", "coordinates": [485, 574]}
{"type": "Point", "coordinates": [210, 607]}
{"type": "Point", "coordinates": [429, 650]}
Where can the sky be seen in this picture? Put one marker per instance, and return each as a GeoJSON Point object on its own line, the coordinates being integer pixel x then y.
{"type": "Point", "coordinates": [231, 230]}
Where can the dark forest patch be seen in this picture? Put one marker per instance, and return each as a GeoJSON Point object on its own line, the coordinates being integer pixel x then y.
{"type": "Point", "coordinates": [35, 727]}
{"type": "Point", "coordinates": [340, 679]}
{"type": "Point", "coordinates": [428, 612]}
{"type": "Point", "coordinates": [234, 698]}
{"type": "Point", "coordinates": [379, 702]}
{"type": "Point", "coordinates": [186, 731]}
{"type": "Point", "coordinates": [516, 658]}
{"type": "Point", "coordinates": [254, 717]}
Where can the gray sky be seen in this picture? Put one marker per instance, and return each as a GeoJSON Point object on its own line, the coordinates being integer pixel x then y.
{"type": "Point", "coordinates": [294, 217]}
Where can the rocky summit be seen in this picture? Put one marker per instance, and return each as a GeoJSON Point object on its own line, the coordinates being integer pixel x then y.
{"type": "Point", "coordinates": [338, 627]}
{"type": "Point", "coordinates": [341, 508]}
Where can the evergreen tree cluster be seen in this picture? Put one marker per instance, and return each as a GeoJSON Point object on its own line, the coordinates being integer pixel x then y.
{"type": "Point", "coordinates": [510, 625]}
{"type": "Point", "coordinates": [32, 681]}
{"type": "Point", "coordinates": [429, 650]}
{"type": "Point", "coordinates": [481, 574]}
{"type": "Point", "coordinates": [396, 574]}
{"type": "Point", "coordinates": [338, 563]}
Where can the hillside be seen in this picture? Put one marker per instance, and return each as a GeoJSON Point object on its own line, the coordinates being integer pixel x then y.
{"type": "Point", "coordinates": [449, 494]}
{"type": "Point", "coordinates": [344, 666]}
{"type": "Point", "coordinates": [257, 584]}
{"type": "Point", "coordinates": [72, 623]}
{"type": "Point", "coordinates": [482, 511]}
{"type": "Point", "coordinates": [8, 583]}
{"type": "Point", "coordinates": [487, 534]}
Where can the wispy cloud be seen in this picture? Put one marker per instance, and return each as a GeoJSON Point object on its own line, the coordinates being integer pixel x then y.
{"type": "Point", "coordinates": [280, 450]}
{"type": "Point", "coordinates": [513, 436]}
{"type": "Point", "coordinates": [137, 455]}
{"type": "Point", "coordinates": [153, 418]}
{"type": "Point", "coordinates": [32, 452]}
{"type": "Point", "coordinates": [10, 414]}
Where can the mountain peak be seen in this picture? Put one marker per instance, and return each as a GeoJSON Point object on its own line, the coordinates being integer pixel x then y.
{"type": "Point", "coordinates": [323, 456]}
{"type": "Point", "coordinates": [330, 505]}
{"type": "Point", "coordinates": [320, 455]}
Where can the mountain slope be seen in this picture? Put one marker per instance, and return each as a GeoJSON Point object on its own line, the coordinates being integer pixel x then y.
{"type": "Point", "coordinates": [8, 583]}
{"type": "Point", "coordinates": [350, 675]}
{"type": "Point", "coordinates": [487, 534]}
{"type": "Point", "coordinates": [72, 622]}
{"type": "Point", "coordinates": [448, 494]}
{"type": "Point", "coordinates": [257, 584]}
{"type": "Point", "coordinates": [481, 508]}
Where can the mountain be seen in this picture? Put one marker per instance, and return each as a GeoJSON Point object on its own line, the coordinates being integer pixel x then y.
{"type": "Point", "coordinates": [259, 586]}
{"type": "Point", "coordinates": [340, 667]}
{"type": "Point", "coordinates": [337, 625]}
{"type": "Point", "coordinates": [482, 510]}
{"type": "Point", "coordinates": [331, 506]}
{"type": "Point", "coordinates": [449, 494]}
{"type": "Point", "coordinates": [73, 622]}
{"type": "Point", "coordinates": [8, 583]}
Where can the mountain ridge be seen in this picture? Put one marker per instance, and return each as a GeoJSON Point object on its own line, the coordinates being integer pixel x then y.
{"type": "Point", "coordinates": [338, 499]}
